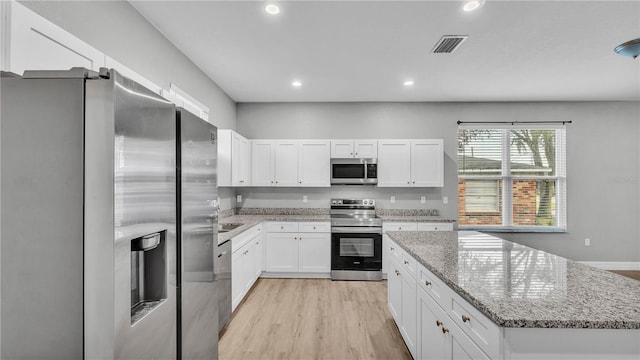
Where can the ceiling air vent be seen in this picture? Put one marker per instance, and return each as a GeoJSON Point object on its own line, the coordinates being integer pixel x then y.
{"type": "Point", "coordinates": [448, 44]}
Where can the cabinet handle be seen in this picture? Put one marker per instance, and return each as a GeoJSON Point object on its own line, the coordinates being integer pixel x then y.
{"type": "Point", "coordinates": [246, 252]}
{"type": "Point", "coordinates": [281, 227]}
{"type": "Point", "coordinates": [241, 181]}
{"type": "Point", "coordinates": [406, 262]}
{"type": "Point", "coordinates": [314, 228]}
{"type": "Point", "coordinates": [276, 181]}
{"type": "Point", "coordinates": [414, 182]}
{"type": "Point", "coordinates": [257, 242]}
{"type": "Point", "coordinates": [399, 227]}
{"type": "Point", "coordinates": [356, 154]}
{"type": "Point", "coordinates": [465, 318]}
{"type": "Point", "coordinates": [300, 182]}
{"type": "Point", "coordinates": [272, 181]}
{"type": "Point", "coordinates": [428, 283]}
{"type": "Point", "coordinates": [397, 273]}
{"type": "Point", "coordinates": [300, 239]}
{"type": "Point", "coordinates": [445, 330]}
{"type": "Point", "coordinates": [438, 323]}
{"type": "Point", "coordinates": [408, 182]}
{"type": "Point", "coordinates": [392, 248]}
{"type": "Point", "coordinates": [295, 238]}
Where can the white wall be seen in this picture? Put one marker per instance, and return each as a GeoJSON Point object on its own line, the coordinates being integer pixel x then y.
{"type": "Point", "coordinates": [602, 156]}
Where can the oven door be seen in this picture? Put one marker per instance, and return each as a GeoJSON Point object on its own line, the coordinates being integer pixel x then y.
{"type": "Point", "coordinates": [356, 248]}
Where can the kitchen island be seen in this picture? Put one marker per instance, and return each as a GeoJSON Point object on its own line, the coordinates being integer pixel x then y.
{"type": "Point", "coordinates": [510, 300]}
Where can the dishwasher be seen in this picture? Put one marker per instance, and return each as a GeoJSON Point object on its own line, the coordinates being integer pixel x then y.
{"type": "Point", "coordinates": [222, 270]}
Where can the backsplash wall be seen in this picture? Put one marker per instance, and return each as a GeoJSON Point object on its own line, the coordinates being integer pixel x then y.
{"type": "Point", "coordinates": [405, 198]}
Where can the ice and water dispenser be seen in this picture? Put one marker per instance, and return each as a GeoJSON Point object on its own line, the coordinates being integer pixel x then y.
{"type": "Point", "coordinates": [148, 274]}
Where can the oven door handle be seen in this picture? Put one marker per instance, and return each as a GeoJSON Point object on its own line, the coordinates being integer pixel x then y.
{"type": "Point", "coordinates": [356, 230]}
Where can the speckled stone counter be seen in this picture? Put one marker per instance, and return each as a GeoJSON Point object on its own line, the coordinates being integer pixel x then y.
{"type": "Point", "coordinates": [402, 218]}
{"type": "Point", "coordinates": [520, 287]}
{"type": "Point", "coordinates": [249, 221]}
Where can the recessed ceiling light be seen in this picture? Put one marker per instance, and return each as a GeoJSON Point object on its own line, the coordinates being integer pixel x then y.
{"type": "Point", "coordinates": [272, 9]}
{"type": "Point", "coordinates": [408, 83]}
{"type": "Point", "coordinates": [473, 5]}
{"type": "Point", "coordinates": [296, 83]}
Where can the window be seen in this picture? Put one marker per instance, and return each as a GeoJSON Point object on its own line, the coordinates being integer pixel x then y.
{"type": "Point", "coordinates": [512, 179]}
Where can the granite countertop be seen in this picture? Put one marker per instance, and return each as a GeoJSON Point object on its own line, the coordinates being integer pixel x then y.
{"type": "Point", "coordinates": [517, 286]}
{"type": "Point", "coordinates": [402, 218]}
{"type": "Point", "coordinates": [249, 221]}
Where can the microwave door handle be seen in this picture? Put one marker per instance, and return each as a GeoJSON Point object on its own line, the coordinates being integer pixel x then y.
{"type": "Point", "coordinates": [366, 168]}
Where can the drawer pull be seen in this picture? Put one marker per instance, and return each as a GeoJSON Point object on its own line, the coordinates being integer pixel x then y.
{"type": "Point", "coordinates": [295, 238]}
{"type": "Point", "coordinates": [445, 330]}
{"type": "Point", "coordinates": [428, 283]}
{"type": "Point", "coordinates": [314, 228]}
{"type": "Point", "coordinates": [399, 227]}
{"type": "Point", "coordinates": [465, 318]}
{"type": "Point", "coordinates": [397, 273]}
{"type": "Point", "coordinates": [438, 323]}
{"type": "Point", "coordinates": [392, 248]}
{"type": "Point", "coordinates": [281, 227]}
{"type": "Point", "coordinates": [300, 239]}
{"type": "Point", "coordinates": [406, 262]}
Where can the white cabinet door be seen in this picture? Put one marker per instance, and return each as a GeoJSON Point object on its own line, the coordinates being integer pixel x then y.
{"type": "Point", "coordinates": [286, 168]}
{"type": "Point", "coordinates": [394, 291]}
{"type": "Point", "coordinates": [314, 252]}
{"type": "Point", "coordinates": [262, 162]}
{"type": "Point", "coordinates": [245, 162]}
{"type": "Point", "coordinates": [239, 274]}
{"type": "Point", "coordinates": [282, 252]}
{"type": "Point", "coordinates": [394, 163]}
{"type": "Point", "coordinates": [258, 251]}
{"type": "Point", "coordinates": [365, 149]}
{"type": "Point", "coordinates": [460, 347]}
{"type": "Point", "coordinates": [314, 163]}
{"type": "Point", "coordinates": [240, 160]}
{"type": "Point", "coordinates": [38, 44]}
{"type": "Point", "coordinates": [341, 148]}
{"type": "Point", "coordinates": [248, 266]}
{"type": "Point", "coordinates": [432, 342]}
{"type": "Point", "coordinates": [224, 157]}
{"type": "Point", "coordinates": [427, 158]}
{"type": "Point", "coordinates": [408, 324]}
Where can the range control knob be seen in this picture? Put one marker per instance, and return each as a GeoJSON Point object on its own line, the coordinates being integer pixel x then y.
{"type": "Point", "coordinates": [333, 202]}
{"type": "Point", "coordinates": [365, 202]}
{"type": "Point", "coordinates": [372, 202]}
{"type": "Point", "coordinates": [339, 202]}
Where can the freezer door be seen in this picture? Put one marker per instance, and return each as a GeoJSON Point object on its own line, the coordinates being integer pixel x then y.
{"type": "Point", "coordinates": [130, 222]}
{"type": "Point", "coordinates": [198, 231]}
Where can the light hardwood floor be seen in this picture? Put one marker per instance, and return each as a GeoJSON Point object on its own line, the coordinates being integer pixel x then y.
{"type": "Point", "coordinates": [313, 319]}
{"type": "Point", "coordinates": [628, 273]}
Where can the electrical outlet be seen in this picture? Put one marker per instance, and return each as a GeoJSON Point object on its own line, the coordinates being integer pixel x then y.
{"type": "Point", "coordinates": [445, 199]}
{"type": "Point", "coordinates": [305, 198]}
{"type": "Point", "coordinates": [587, 242]}
{"type": "Point", "coordinates": [239, 198]}
{"type": "Point", "coordinates": [423, 199]}
{"type": "Point", "coordinates": [393, 199]}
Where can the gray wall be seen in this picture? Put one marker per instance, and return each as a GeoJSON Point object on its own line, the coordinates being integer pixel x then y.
{"type": "Point", "coordinates": [119, 31]}
{"type": "Point", "coordinates": [602, 159]}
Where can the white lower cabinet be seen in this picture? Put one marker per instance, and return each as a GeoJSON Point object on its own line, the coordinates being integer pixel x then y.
{"type": "Point", "coordinates": [402, 303]}
{"type": "Point", "coordinates": [246, 263]}
{"type": "Point", "coordinates": [427, 314]}
{"type": "Point", "coordinates": [298, 247]}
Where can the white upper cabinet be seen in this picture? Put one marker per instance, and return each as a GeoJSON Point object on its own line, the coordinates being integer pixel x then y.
{"type": "Point", "coordinates": [30, 42]}
{"type": "Point", "coordinates": [427, 158]}
{"type": "Point", "coordinates": [394, 163]}
{"type": "Point", "coordinates": [362, 149]}
{"type": "Point", "coordinates": [234, 159]}
{"type": "Point", "coordinates": [274, 162]}
{"type": "Point", "coordinates": [411, 163]}
{"type": "Point", "coordinates": [262, 162]}
{"type": "Point", "coordinates": [314, 167]}
{"type": "Point", "coordinates": [286, 168]}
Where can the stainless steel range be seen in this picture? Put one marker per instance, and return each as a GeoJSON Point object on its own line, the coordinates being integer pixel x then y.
{"type": "Point", "coordinates": [356, 240]}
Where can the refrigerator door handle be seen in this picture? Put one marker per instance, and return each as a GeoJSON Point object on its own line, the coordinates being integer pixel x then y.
{"type": "Point", "coordinates": [146, 242]}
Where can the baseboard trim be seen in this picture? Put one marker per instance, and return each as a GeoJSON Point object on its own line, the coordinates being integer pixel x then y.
{"type": "Point", "coordinates": [292, 275]}
{"type": "Point", "coordinates": [614, 265]}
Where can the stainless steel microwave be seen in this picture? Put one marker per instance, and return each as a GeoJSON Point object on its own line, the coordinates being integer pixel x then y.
{"type": "Point", "coordinates": [354, 171]}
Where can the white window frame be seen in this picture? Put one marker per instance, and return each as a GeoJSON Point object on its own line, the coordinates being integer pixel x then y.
{"type": "Point", "coordinates": [507, 180]}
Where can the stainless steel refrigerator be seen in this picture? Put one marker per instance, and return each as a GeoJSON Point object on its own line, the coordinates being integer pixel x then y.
{"type": "Point", "coordinates": [198, 237]}
{"type": "Point", "coordinates": [88, 218]}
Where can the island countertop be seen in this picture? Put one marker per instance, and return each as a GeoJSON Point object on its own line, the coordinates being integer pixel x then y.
{"type": "Point", "coordinates": [517, 286]}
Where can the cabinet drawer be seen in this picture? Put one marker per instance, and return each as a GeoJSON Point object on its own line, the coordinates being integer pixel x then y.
{"type": "Point", "coordinates": [480, 329]}
{"type": "Point", "coordinates": [322, 227]}
{"type": "Point", "coordinates": [239, 240]}
{"type": "Point", "coordinates": [435, 226]}
{"type": "Point", "coordinates": [395, 226]}
{"type": "Point", "coordinates": [408, 263]}
{"type": "Point", "coordinates": [433, 286]}
{"type": "Point", "coordinates": [395, 251]}
{"type": "Point", "coordinates": [282, 227]}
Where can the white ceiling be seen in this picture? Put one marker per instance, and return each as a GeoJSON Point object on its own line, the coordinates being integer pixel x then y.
{"type": "Point", "coordinates": [365, 50]}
